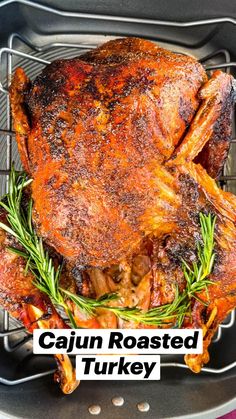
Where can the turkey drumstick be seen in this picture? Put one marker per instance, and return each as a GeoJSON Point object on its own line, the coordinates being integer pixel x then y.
{"type": "Point", "coordinates": [25, 302]}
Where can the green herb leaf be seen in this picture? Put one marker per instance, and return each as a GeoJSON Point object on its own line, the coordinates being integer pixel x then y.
{"type": "Point", "coordinates": [47, 277]}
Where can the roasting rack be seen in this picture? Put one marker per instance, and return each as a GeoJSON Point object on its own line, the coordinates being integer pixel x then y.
{"type": "Point", "coordinates": [33, 56]}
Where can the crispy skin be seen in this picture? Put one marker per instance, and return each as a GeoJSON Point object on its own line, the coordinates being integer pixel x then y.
{"type": "Point", "coordinates": [26, 303]}
{"type": "Point", "coordinates": [101, 125]}
{"type": "Point", "coordinates": [20, 87]}
{"type": "Point", "coordinates": [212, 120]}
{"type": "Point", "coordinates": [214, 153]}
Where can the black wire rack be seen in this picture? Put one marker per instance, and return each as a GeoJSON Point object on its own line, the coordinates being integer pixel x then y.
{"type": "Point", "coordinates": [37, 56]}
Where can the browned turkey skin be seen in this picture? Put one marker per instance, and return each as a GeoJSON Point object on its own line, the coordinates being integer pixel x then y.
{"type": "Point", "coordinates": [117, 142]}
{"type": "Point", "coordinates": [26, 303]}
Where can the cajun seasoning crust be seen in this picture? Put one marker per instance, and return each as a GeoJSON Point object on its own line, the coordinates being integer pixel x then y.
{"type": "Point", "coordinates": [100, 127]}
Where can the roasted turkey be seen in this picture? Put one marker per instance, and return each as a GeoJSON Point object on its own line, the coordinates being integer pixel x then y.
{"type": "Point", "coordinates": [123, 145]}
{"type": "Point", "coordinates": [97, 130]}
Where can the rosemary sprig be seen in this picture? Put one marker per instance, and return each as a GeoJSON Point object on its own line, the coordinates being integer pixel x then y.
{"type": "Point", "coordinates": [89, 305]}
{"type": "Point", "coordinates": [38, 260]}
{"type": "Point", "coordinates": [156, 316]}
{"type": "Point", "coordinates": [197, 274]}
{"type": "Point", "coordinates": [47, 277]}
